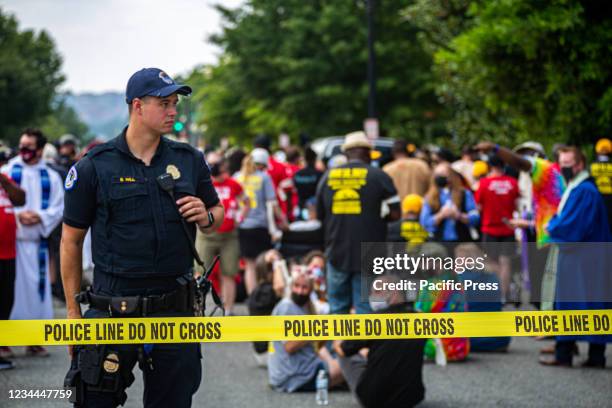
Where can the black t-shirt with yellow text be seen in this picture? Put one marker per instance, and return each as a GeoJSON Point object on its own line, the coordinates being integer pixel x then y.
{"type": "Point", "coordinates": [349, 200]}
{"type": "Point", "coordinates": [406, 230]}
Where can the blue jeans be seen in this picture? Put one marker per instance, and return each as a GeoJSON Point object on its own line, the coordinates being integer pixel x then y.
{"type": "Point", "coordinates": [344, 291]}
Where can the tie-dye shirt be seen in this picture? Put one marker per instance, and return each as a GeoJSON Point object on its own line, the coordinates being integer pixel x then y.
{"type": "Point", "coordinates": [548, 186]}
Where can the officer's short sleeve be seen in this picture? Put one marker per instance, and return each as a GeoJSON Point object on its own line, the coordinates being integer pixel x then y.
{"type": "Point", "coordinates": [80, 196]}
{"type": "Point", "coordinates": [206, 190]}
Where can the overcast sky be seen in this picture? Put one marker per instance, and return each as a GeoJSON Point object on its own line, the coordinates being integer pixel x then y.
{"type": "Point", "coordinates": [104, 41]}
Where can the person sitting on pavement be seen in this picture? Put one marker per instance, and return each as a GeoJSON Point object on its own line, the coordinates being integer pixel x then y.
{"type": "Point", "coordinates": [445, 300]}
{"type": "Point", "coordinates": [262, 300]}
{"type": "Point", "coordinates": [373, 367]}
{"type": "Point", "coordinates": [294, 365]}
{"type": "Point", "coordinates": [314, 262]}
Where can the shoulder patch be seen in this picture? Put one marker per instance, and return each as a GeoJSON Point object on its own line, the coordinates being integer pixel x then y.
{"type": "Point", "coordinates": [71, 178]}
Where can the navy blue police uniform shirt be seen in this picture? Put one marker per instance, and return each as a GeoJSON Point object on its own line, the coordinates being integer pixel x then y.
{"type": "Point", "coordinates": [138, 244]}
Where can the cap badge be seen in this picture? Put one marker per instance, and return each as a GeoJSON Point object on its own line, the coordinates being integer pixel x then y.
{"type": "Point", "coordinates": [166, 78]}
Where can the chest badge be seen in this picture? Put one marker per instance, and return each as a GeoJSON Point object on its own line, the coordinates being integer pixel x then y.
{"type": "Point", "coordinates": [111, 363]}
{"type": "Point", "coordinates": [173, 171]}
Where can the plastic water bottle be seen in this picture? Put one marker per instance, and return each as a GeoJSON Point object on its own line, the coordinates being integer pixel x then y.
{"type": "Point", "coordinates": [322, 384]}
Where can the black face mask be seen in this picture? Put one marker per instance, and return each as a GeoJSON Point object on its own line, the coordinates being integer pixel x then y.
{"type": "Point", "coordinates": [568, 173]}
{"type": "Point", "coordinates": [441, 181]}
{"type": "Point", "coordinates": [27, 154]}
{"type": "Point", "coordinates": [299, 300]}
{"type": "Point", "coordinates": [215, 170]}
{"type": "Point", "coordinates": [65, 160]}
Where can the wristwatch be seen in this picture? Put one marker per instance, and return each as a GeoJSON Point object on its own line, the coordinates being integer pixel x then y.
{"type": "Point", "coordinates": [211, 220]}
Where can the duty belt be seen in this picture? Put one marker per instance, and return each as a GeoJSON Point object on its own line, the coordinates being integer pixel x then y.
{"type": "Point", "coordinates": [179, 300]}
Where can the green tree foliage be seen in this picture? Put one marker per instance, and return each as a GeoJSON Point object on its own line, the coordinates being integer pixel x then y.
{"type": "Point", "coordinates": [217, 94]}
{"type": "Point", "coordinates": [291, 65]}
{"type": "Point", "coordinates": [29, 76]}
{"type": "Point", "coordinates": [522, 69]}
{"type": "Point", "coordinates": [63, 119]}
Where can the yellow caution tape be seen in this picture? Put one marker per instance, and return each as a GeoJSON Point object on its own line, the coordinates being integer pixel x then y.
{"type": "Point", "coordinates": [321, 327]}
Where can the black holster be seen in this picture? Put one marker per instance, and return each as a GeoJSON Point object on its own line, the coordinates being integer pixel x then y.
{"type": "Point", "coordinates": [97, 368]}
{"type": "Point", "coordinates": [73, 380]}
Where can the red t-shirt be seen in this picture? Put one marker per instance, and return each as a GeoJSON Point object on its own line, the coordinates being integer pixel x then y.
{"type": "Point", "coordinates": [288, 208]}
{"type": "Point", "coordinates": [496, 196]}
{"type": "Point", "coordinates": [8, 227]}
{"type": "Point", "coordinates": [228, 191]}
{"type": "Point", "coordinates": [277, 171]}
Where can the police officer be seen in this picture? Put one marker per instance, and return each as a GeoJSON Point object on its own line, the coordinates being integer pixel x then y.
{"type": "Point", "coordinates": [142, 256]}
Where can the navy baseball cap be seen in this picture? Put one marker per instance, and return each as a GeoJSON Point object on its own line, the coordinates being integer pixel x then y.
{"type": "Point", "coordinates": [153, 82]}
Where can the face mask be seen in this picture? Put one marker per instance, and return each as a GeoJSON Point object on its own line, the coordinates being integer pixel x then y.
{"type": "Point", "coordinates": [317, 272]}
{"type": "Point", "coordinates": [568, 173]}
{"type": "Point", "coordinates": [377, 304]}
{"type": "Point", "coordinates": [27, 154]}
{"type": "Point", "coordinates": [299, 300]}
{"type": "Point", "coordinates": [441, 181]}
{"type": "Point", "coordinates": [215, 170]}
{"type": "Point", "coordinates": [64, 160]}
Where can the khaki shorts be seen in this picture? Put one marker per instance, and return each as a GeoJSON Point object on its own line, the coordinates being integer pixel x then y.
{"type": "Point", "coordinates": [223, 244]}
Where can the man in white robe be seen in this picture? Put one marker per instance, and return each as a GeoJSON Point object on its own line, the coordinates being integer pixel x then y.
{"type": "Point", "coordinates": [36, 219]}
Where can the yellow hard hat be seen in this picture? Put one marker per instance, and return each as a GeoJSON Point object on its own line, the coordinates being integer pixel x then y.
{"type": "Point", "coordinates": [480, 168]}
{"type": "Point", "coordinates": [375, 154]}
{"type": "Point", "coordinates": [603, 146]}
{"type": "Point", "coordinates": [412, 203]}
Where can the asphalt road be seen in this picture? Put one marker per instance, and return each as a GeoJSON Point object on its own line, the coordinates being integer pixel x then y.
{"type": "Point", "coordinates": [231, 379]}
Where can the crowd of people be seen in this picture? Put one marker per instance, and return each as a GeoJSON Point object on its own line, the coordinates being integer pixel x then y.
{"type": "Point", "coordinates": [290, 243]}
